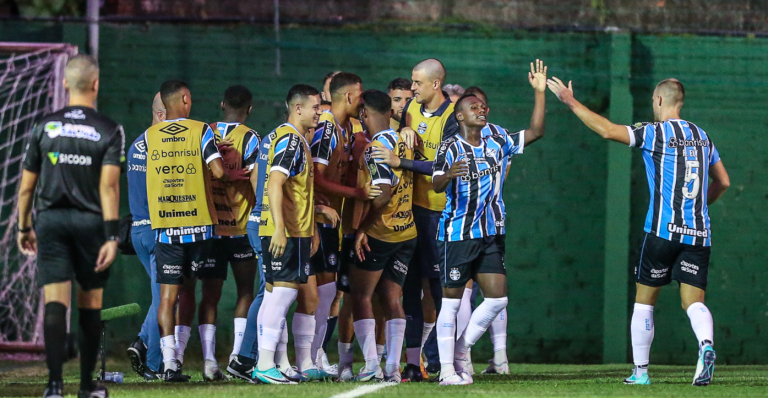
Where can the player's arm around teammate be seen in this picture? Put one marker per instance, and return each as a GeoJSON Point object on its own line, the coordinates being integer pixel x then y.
{"type": "Point", "coordinates": [466, 168]}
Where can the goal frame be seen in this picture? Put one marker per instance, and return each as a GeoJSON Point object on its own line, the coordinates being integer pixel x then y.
{"type": "Point", "coordinates": [59, 99]}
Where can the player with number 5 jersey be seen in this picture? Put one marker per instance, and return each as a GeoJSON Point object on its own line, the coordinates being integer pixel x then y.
{"type": "Point", "coordinates": [680, 160]}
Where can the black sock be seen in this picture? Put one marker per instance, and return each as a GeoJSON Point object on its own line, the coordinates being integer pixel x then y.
{"type": "Point", "coordinates": [329, 331]}
{"type": "Point", "coordinates": [90, 337]}
{"type": "Point", "coordinates": [245, 360]}
{"type": "Point", "coordinates": [55, 336]}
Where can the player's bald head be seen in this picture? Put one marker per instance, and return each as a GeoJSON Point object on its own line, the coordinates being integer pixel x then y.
{"type": "Point", "coordinates": [81, 72]}
{"type": "Point", "coordinates": [671, 91]}
{"type": "Point", "coordinates": [432, 68]}
{"type": "Point", "coordinates": [157, 104]}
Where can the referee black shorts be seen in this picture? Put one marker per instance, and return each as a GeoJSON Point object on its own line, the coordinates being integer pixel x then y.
{"type": "Point", "coordinates": [68, 243]}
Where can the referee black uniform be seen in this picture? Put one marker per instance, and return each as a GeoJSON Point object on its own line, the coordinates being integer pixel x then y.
{"type": "Point", "coordinates": [67, 150]}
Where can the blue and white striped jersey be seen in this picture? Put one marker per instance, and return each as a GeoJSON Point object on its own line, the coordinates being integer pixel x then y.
{"type": "Point", "coordinates": [677, 156]}
{"type": "Point", "coordinates": [471, 209]}
{"type": "Point", "coordinates": [498, 212]}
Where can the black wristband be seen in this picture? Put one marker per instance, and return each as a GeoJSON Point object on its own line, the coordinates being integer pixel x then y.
{"type": "Point", "coordinates": [406, 164]}
{"type": "Point", "coordinates": [23, 230]}
{"type": "Point", "coordinates": [111, 228]}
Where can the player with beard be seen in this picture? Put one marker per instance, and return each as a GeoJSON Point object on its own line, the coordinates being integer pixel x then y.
{"type": "Point", "coordinates": [330, 153]}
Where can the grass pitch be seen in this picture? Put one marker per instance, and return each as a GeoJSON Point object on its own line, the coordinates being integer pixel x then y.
{"type": "Point", "coordinates": [27, 379]}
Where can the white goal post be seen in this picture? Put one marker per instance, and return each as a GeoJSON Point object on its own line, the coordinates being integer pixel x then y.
{"type": "Point", "coordinates": [31, 85]}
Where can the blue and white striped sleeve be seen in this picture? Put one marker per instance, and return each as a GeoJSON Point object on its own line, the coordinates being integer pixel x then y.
{"type": "Point", "coordinates": [208, 147]}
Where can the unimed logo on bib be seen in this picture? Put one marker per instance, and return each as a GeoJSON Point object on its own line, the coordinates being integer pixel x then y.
{"type": "Point", "coordinates": [68, 158]}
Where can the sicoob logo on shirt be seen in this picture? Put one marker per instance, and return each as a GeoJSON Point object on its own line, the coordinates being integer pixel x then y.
{"type": "Point", "coordinates": [174, 129]}
{"type": "Point", "coordinates": [68, 158]}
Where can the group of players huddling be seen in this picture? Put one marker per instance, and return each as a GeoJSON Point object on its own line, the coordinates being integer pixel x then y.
{"type": "Point", "coordinates": [373, 210]}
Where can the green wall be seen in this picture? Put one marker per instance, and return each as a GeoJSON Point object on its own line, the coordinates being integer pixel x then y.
{"type": "Point", "coordinates": [556, 192]}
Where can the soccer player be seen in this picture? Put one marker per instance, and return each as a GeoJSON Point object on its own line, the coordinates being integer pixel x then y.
{"type": "Point", "coordinates": [454, 91]}
{"type": "Point", "coordinates": [466, 168]}
{"type": "Point", "coordinates": [350, 220]}
{"type": "Point", "coordinates": [242, 366]}
{"type": "Point", "coordinates": [144, 353]}
{"type": "Point", "coordinates": [325, 95]}
{"type": "Point", "coordinates": [679, 161]}
{"type": "Point", "coordinates": [384, 243]}
{"type": "Point", "coordinates": [430, 114]}
{"type": "Point", "coordinates": [180, 204]}
{"type": "Point", "coordinates": [76, 155]}
{"type": "Point", "coordinates": [233, 202]}
{"type": "Point", "coordinates": [287, 225]}
{"type": "Point", "coordinates": [330, 154]}
{"type": "Point", "coordinates": [400, 92]}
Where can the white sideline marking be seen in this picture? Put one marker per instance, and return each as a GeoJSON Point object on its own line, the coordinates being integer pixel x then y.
{"type": "Point", "coordinates": [362, 390]}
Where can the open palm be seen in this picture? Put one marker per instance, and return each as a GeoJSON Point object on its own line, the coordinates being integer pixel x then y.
{"type": "Point", "coordinates": [538, 76]}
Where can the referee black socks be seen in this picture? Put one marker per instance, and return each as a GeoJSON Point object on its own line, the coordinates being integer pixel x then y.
{"type": "Point", "coordinates": [55, 335]}
{"type": "Point", "coordinates": [90, 335]}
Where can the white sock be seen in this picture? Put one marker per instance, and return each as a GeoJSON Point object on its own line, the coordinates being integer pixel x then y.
{"type": "Point", "coordinates": [446, 334]}
{"type": "Point", "coordinates": [365, 332]}
{"type": "Point", "coordinates": [380, 348]}
{"type": "Point", "coordinates": [262, 310]}
{"type": "Point", "coordinates": [641, 328]}
{"type": "Point", "coordinates": [168, 348]}
{"type": "Point", "coordinates": [325, 293]}
{"type": "Point", "coordinates": [425, 332]}
{"type": "Point", "coordinates": [208, 340]}
{"type": "Point", "coordinates": [182, 334]}
{"type": "Point", "coordinates": [303, 333]}
{"type": "Point", "coordinates": [465, 312]}
{"type": "Point", "coordinates": [281, 352]}
{"type": "Point", "coordinates": [498, 332]}
{"type": "Point", "coordinates": [239, 332]}
{"type": "Point", "coordinates": [395, 331]}
{"type": "Point", "coordinates": [346, 351]}
{"type": "Point", "coordinates": [484, 314]}
{"type": "Point", "coordinates": [701, 322]}
{"type": "Point", "coordinates": [273, 320]}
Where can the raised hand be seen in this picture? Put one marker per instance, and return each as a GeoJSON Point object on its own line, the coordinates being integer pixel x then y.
{"type": "Point", "coordinates": [562, 92]}
{"type": "Point", "coordinates": [538, 76]}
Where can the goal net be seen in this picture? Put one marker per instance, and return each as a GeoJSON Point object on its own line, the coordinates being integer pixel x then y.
{"type": "Point", "coordinates": [31, 77]}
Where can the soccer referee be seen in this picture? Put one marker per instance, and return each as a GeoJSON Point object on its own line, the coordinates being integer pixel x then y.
{"type": "Point", "coordinates": [76, 154]}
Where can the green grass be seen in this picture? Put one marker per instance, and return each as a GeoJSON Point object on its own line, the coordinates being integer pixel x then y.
{"type": "Point", "coordinates": [28, 379]}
